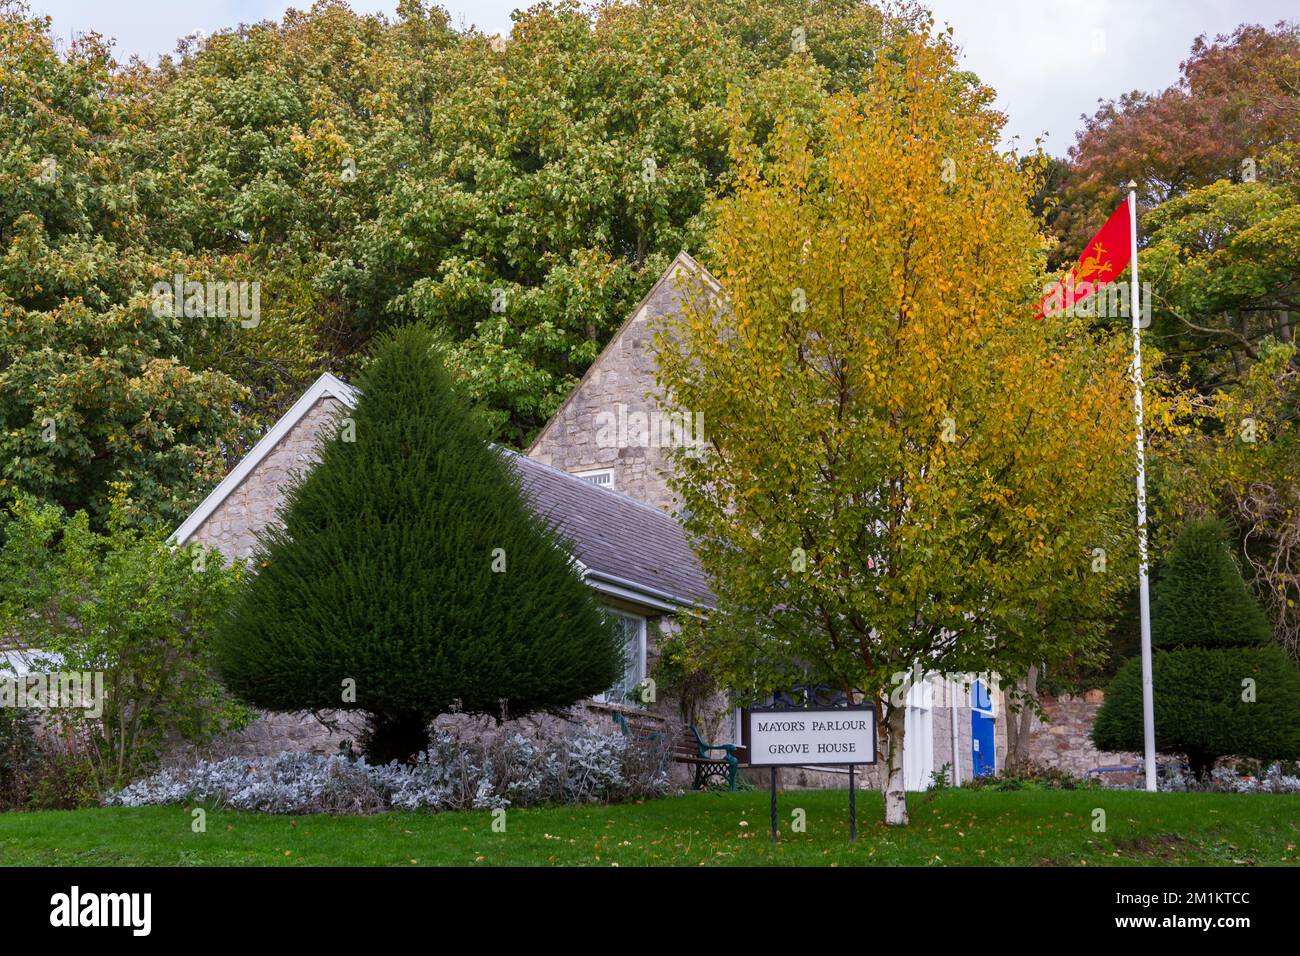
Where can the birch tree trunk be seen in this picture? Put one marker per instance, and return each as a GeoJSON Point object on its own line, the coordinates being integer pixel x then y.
{"type": "Point", "coordinates": [895, 790]}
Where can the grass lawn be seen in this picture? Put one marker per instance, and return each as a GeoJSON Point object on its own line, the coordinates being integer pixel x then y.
{"type": "Point", "coordinates": [960, 827]}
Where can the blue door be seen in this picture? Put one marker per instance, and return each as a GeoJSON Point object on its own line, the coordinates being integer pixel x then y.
{"type": "Point", "coordinates": [983, 749]}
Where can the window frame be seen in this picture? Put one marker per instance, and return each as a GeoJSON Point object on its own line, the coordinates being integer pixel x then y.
{"type": "Point", "coordinates": [642, 638]}
{"type": "Point", "coordinates": [590, 473]}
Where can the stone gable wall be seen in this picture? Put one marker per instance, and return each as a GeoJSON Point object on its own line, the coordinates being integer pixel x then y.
{"type": "Point", "coordinates": [255, 504]}
{"type": "Point", "coordinates": [232, 529]}
{"type": "Point", "coordinates": [620, 382]}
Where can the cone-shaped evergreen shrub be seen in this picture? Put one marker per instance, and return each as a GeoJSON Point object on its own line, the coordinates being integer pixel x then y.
{"type": "Point", "coordinates": [410, 568]}
{"type": "Point", "coordinates": [1202, 600]}
{"type": "Point", "coordinates": [1220, 685]}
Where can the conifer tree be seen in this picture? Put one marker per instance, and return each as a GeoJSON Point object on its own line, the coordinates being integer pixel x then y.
{"type": "Point", "coordinates": [410, 578]}
{"type": "Point", "coordinates": [1221, 685]}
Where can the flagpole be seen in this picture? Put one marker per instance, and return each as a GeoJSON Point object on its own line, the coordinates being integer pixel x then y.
{"type": "Point", "coordinates": [1144, 592]}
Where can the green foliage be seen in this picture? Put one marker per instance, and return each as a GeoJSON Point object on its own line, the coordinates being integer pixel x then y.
{"type": "Point", "coordinates": [868, 502]}
{"type": "Point", "coordinates": [1234, 100]}
{"type": "Point", "coordinates": [415, 172]}
{"type": "Point", "coordinates": [409, 564]}
{"type": "Point", "coordinates": [675, 677]}
{"type": "Point", "coordinates": [940, 779]}
{"type": "Point", "coordinates": [1034, 778]}
{"type": "Point", "coordinates": [123, 604]}
{"type": "Point", "coordinates": [1220, 685]}
{"type": "Point", "coordinates": [1239, 458]}
{"type": "Point", "coordinates": [1201, 600]}
{"type": "Point", "coordinates": [1199, 705]}
{"type": "Point", "coordinates": [66, 780]}
{"type": "Point", "coordinates": [20, 754]}
{"type": "Point", "coordinates": [94, 388]}
{"type": "Point", "coordinates": [1218, 173]}
{"type": "Point", "coordinates": [37, 774]}
{"type": "Point", "coordinates": [367, 172]}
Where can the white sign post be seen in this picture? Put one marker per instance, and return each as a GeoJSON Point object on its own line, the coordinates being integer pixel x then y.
{"type": "Point", "coordinates": [833, 737]}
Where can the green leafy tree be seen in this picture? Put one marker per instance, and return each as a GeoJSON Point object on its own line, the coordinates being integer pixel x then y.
{"type": "Point", "coordinates": [1221, 686]}
{"type": "Point", "coordinates": [904, 469]}
{"type": "Point", "coordinates": [1218, 175]}
{"type": "Point", "coordinates": [95, 388]}
{"type": "Point", "coordinates": [518, 196]}
{"type": "Point", "coordinates": [125, 605]}
{"type": "Point", "coordinates": [1224, 260]}
{"type": "Point", "coordinates": [410, 578]}
{"type": "Point", "coordinates": [366, 172]}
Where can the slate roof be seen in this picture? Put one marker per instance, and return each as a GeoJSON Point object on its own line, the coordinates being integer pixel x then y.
{"type": "Point", "coordinates": [614, 535]}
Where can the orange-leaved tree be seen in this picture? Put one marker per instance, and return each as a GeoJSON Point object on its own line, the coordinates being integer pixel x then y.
{"type": "Point", "coordinates": [904, 470]}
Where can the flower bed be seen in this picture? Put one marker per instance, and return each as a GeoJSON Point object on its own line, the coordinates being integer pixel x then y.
{"type": "Point", "coordinates": [488, 772]}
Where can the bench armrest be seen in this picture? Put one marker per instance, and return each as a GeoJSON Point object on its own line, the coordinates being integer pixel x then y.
{"type": "Point", "coordinates": [729, 748]}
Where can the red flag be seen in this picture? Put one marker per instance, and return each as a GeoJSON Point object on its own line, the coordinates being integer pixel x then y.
{"type": "Point", "coordinates": [1101, 263]}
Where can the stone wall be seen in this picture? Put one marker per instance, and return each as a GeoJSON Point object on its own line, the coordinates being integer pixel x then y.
{"type": "Point", "coordinates": [269, 734]}
{"type": "Point", "coordinates": [1062, 740]}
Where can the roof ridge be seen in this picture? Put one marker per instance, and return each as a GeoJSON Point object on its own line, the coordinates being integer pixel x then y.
{"type": "Point", "coordinates": [325, 386]}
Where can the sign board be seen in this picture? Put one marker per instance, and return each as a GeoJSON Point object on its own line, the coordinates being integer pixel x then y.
{"type": "Point", "coordinates": [829, 737]}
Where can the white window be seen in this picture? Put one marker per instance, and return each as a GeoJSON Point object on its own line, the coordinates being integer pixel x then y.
{"type": "Point", "coordinates": [632, 628]}
{"type": "Point", "coordinates": [600, 476]}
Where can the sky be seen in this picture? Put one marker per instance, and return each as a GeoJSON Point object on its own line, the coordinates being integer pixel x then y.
{"type": "Point", "coordinates": [1051, 61]}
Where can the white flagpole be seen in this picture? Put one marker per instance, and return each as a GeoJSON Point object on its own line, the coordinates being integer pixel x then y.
{"type": "Point", "coordinates": [1144, 593]}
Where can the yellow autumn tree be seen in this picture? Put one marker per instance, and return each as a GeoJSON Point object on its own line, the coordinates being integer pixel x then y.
{"type": "Point", "coordinates": [905, 471]}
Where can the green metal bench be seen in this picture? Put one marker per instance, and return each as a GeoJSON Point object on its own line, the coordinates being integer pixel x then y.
{"type": "Point", "coordinates": [692, 749]}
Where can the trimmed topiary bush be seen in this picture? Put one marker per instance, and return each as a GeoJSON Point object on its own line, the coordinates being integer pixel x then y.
{"type": "Point", "coordinates": [411, 579]}
{"type": "Point", "coordinates": [1199, 710]}
{"type": "Point", "coordinates": [1221, 685]}
{"type": "Point", "coordinates": [1201, 599]}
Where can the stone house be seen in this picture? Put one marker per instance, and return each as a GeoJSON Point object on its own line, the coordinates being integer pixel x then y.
{"type": "Point", "coordinates": [599, 468]}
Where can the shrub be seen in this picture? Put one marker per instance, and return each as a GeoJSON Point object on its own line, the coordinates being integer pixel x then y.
{"type": "Point", "coordinates": [1199, 705]}
{"type": "Point", "coordinates": [65, 780]}
{"type": "Point", "coordinates": [1201, 599]}
{"type": "Point", "coordinates": [41, 771]}
{"type": "Point", "coordinates": [1034, 777]}
{"type": "Point", "coordinates": [409, 564]}
{"type": "Point", "coordinates": [128, 607]}
{"type": "Point", "coordinates": [1220, 685]}
{"type": "Point", "coordinates": [20, 755]}
{"type": "Point", "coordinates": [497, 769]}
